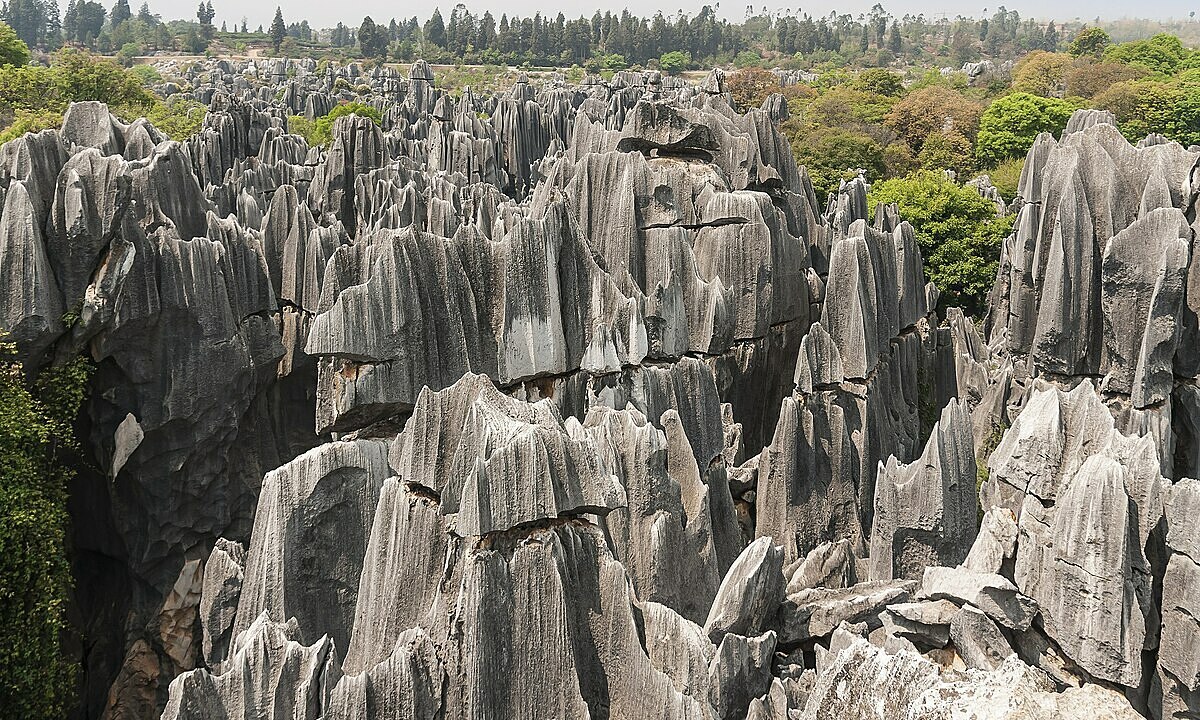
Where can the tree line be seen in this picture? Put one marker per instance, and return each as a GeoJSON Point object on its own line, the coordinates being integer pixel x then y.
{"type": "Point", "coordinates": [603, 41]}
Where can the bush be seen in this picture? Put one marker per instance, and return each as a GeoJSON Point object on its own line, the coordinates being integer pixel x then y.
{"type": "Point", "coordinates": [880, 82]}
{"type": "Point", "coordinates": [1089, 79]}
{"type": "Point", "coordinates": [302, 126]}
{"type": "Point", "coordinates": [82, 76]}
{"type": "Point", "coordinates": [146, 74]}
{"type": "Point", "coordinates": [27, 121]}
{"type": "Point", "coordinates": [928, 109]}
{"type": "Point", "coordinates": [178, 117]}
{"type": "Point", "coordinates": [1006, 177]}
{"type": "Point", "coordinates": [36, 444]}
{"type": "Point", "coordinates": [1041, 73]}
{"type": "Point", "coordinates": [947, 150]}
{"type": "Point", "coordinates": [833, 154]}
{"type": "Point", "coordinates": [746, 59]}
{"type": "Point", "coordinates": [673, 62]}
{"type": "Point", "coordinates": [1172, 109]}
{"type": "Point", "coordinates": [1009, 126]}
{"type": "Point", "coordinates": [1161, 53]}
{"type": "Point", "coordinates": [13, 50]}
{"type": "Point", "coordinates": [127, 53]}
{"type": "Point", "coordinates": [958, 231]}
{"type": "Point", "coordinates": [749, 87]}
{"type": "Point", "coordinates": [843, 106]}
{"type": "Point", "coordinates": [323, 128]}
{"type": "Point", "coordinates": [1090, 42]}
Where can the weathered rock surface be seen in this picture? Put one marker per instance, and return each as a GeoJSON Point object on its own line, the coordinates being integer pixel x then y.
{"type": "Point", "coordinates": [477, 412]}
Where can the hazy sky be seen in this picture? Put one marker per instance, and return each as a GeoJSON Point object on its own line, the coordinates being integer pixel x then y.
{"type": "Point", "coordinates": [322, 13]}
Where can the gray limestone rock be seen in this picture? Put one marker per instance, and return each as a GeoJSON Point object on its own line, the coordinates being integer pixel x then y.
{"type": "Point", "coordinates": [270, 675]}
{"type": "Point", "coordinates": [926, 512]}
{"type": "Point", "coordinates": [224, 573]}
{"type": "Point", "coordinates": [978, 640]}
{"type": "Point", "coordinates": [750, 594]}
{"type": "Point", "coordinates": [310, 536]}
{"type": "Point", "coordinates": [815, 613]}
{"type": "Point", "coordinates": [1178, 673]}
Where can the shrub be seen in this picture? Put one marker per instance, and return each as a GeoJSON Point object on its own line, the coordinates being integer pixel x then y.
{"type": "Point", "coordinates": [947, 150]}
{"type": "Point", "coordinates": [750, 86]}
{"type": "Point", "coordinates": [323, 128]}
{"type": "Point", "coordinates": [36, 447]}
{"type": "Point", "coordinates": [27, 121]}
{"type": "Point", "coordinates": [1090, 42]}
{"type": "Point", "coordinates": [958, 231]}
{"type": "Point", "coordinates": [1089, 79]}
{"type": "Point", "coordinates": [673, 62]}
{"type": "Point", "coordinates": [13, 50]}
{"type": "Point", "coordinates": [1172, 109]}
{"type": "Point", "coordinates": [880, 82]}
{"type": "Point", "coordinates": [833, 154]}
{"type": "Point", "coordinates": [1041, 73]}
{"type": "Point", "coordinates": [1009, 126]}
{"type": "Point", "coordinates": [1161, 53]}
{"type": "Point", "coordinates": [933, 108]}
{"type": "Point", "coordinates": [1006, 177]}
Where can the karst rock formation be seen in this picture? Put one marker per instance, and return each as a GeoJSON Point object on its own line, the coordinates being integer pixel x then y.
{"type": "Point", "coordinates": [575, 401]}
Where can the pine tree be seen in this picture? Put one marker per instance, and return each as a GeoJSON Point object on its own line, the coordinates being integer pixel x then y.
{"type": "Point", "coordinates": [1051, 41]}
{"type": "Point", "coordinates": [894, 42]}
{"type": "Point", "coordinates": [278, 29]}
{"type": "Point", "coordinates": [70, 22]}
{"type": "Point", "coordinates": [120, 12]}
{"type": "Point", "coordinates": [435, 29]}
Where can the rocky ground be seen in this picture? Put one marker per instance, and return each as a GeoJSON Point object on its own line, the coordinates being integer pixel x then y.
{"type": "Point", "coordinates": [576, 401]}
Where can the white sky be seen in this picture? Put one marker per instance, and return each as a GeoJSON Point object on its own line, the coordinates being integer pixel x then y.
{"type": "Point", "coordinates": [321, 13]}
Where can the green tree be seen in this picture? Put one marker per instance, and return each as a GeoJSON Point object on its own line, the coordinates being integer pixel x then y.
{"type": "Point", "coordinates": [435, 29]}
{"type": "Point", "coordinates": [1161, 53]}
{"type": "Point", "coordinates": [1090, 42]}
{"type": "Point", "coordinates": [278, 29]}
{"type": "Point", "coordinates": [37, 448]}
{"type": "Point", "coordinates": [1041, 73]}
{"type": "Point", "coordinates": [833, 154]}
{"type": "Point", "coordinates": [933, 108]}
{"type": "Point", "coordinates": [372, 39]}
{"type": "Point", "coordinates": [673, 62]}
{"type": "Point", "coordinates": [322, 131]}
{"type": "Point", "coordinates": [880, 82]}
{"type": "Point", "coordinates": [1144, 107]}
{"type": "Point", "coordinates": [13, 50]}
{"type": "Point", "coordinates": [1009, 126]}
{"type": "Point", "coordinates": [120, 13]}
{"type": "Point", "coordinates": [82, 76]}
{"type": "Point", "coordinates": [947, 150]}
{"type": "Point", "coordinates": [957, 230]}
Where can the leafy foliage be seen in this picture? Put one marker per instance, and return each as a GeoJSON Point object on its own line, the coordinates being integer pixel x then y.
{"type": "Point", "coordinates": [673, 62]}
{"type": "Point", "coordinates": [1042, 73]}
{"type": "Point", "coordinates": [833, 154]}
{"type": "Point", "coordinates": [27, 121]}
{"type": "Point", "coordinates": [1169, 108]}
{"type": "Point", "coordinates": [321, 131]}
{"type": "Point", "coordinates": [931, 109]}
{"type": "Point", "coordinates": [958, 231]}
{"type": "Point", "coordinates": [1009, 126]}
{"type": "Point", "coordinates": [947, 150]}
{"type": "Point", "coordinates": [1162, 53]}
{"type": "Point", "coordinates": [13, 50]}
{"type": "Point", "coordinates": [36, 444]}
{"type": "Point", "coordinates": [1090, 42]}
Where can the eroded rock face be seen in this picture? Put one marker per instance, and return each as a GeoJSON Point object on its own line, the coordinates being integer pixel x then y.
{"type": "Point", "coordinates": [1087, 499]}
{"type": "Point", "coordinates": [587, 409]}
